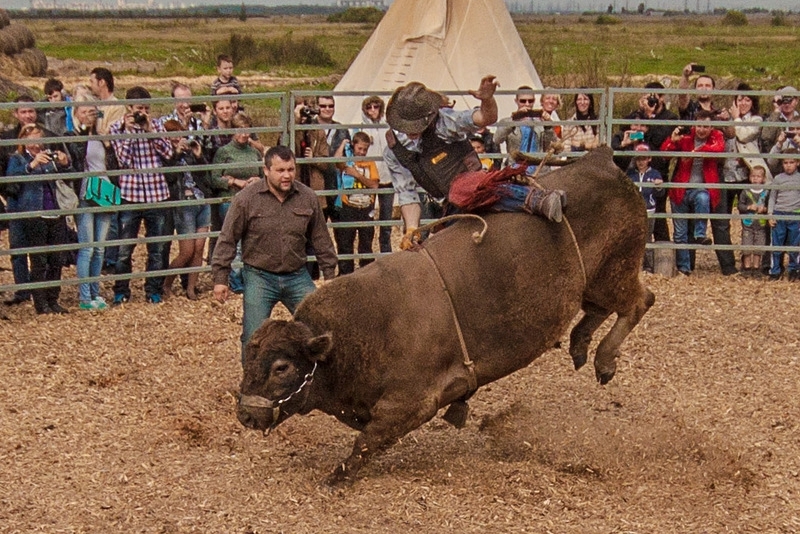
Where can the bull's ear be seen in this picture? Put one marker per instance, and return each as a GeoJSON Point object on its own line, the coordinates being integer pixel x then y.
{"type": "Point", "coordinates": [320, 346]}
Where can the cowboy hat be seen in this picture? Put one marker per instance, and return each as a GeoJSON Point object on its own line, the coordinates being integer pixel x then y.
{"type": "Point", "coordinates": [413, 107]}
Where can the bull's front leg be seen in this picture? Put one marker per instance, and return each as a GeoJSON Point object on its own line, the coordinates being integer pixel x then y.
{"type": "Point", "coordinates": [391, 420]}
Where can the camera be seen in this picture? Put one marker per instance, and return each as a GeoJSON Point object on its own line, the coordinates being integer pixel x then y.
{"type": "Point", "coordinates": [193, 144]}
{"type": "Point", "coordinates": [637, 136]}
{"type": "Point", "coordinates": [786, 99]}
{"type": "Point", "coordinates": [50, 153]}
{"type": "Point", "coordinates": [308, 113]}
{"type": "Point", "coordinates": [698, 68]}
{"type": "Point", "coordinates": [652, 100]}
{"type": "Point", "coordinates": [139, 118]}
{"type": "Point", "coordinates": [198, 108]}
{"type": "Point", "coordinates": [685, 130]}
{"type": "Point", "coordinates": [526, 114]}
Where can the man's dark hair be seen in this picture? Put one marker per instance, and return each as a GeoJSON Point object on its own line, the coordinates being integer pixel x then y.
{"type": "Point", "coordinates": [102, 73]}
{"type": "Point", "coordinates": [281, 152]}
{"type": "Point", "coordinates": [223, 57]}
{"type": "Point", "coordinates": [136, 93]}
{"type": "Point", "coordinates": [655, 85]}
{"type": "Point", "coordinates": [52, 85]}
{"type": "Point", "coordinates": [705, 114]}
{"type": "Point", "coordinates": [24, 98]}
{"type": "Point", "coordinates": [713, 81]}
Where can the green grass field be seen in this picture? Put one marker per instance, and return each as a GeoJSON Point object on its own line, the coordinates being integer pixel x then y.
{"type": "Point", "coordinates": [567, 50]}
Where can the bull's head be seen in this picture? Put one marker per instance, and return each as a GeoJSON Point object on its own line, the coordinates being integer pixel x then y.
{"type": "Point", "coordinates": [279, 365]}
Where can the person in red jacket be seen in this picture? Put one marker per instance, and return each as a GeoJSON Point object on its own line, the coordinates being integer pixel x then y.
{"type": "Point", "coordinates": [701, 138]}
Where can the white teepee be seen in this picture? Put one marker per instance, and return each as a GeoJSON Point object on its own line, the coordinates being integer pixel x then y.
{"type": "Point", "coordinates": [446, 44]}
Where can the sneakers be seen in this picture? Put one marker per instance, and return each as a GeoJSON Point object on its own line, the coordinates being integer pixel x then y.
{"type": "Point", "coordinates": [119, 298]}
{"type": "Point", "coordinates": [96, 304]}
{"type": "Point", "coordinates": [155, 298]}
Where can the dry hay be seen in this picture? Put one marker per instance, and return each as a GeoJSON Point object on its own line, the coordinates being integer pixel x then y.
{"type": "Point", "coordinates": [15, 38]}
{"type": "Point", "coordinates": [123, 421]}
{"type": "Point", "coordinates": [31, 62]}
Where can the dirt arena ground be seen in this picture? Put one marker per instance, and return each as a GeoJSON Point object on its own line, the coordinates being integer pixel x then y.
{"type": "Point", "coordinates": [122, 421]}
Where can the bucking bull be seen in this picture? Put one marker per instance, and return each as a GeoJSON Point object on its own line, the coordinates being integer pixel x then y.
{"type": "Point", "coordinates": [385, 348]}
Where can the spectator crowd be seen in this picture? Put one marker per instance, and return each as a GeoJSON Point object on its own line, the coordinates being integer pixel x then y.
{"type": "Point", "coordinates": [133, 161]}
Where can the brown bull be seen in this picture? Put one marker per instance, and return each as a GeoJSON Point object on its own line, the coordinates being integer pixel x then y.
{"type": "Point", "coordinates": [384, 349]}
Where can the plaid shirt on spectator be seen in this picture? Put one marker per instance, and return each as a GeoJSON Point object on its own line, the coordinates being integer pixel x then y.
{"type": "Point", "coordinates": [141, 154]}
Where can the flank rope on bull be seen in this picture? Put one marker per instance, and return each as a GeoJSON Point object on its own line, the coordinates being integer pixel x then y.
{"type": "Point", "coordinates": [472, 378]}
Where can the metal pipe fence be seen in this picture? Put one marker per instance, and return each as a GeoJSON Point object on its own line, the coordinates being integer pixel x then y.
{"type": "Point", "coordinates": [281, 125]}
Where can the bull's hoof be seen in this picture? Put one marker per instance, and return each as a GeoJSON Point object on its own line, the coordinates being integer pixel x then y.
{"type": "Point", "coordinates": [456, 414]}
{"type": "Point", "coordinates": [578, 358]}
{"type": "Point", "coordinates": [605, 378]}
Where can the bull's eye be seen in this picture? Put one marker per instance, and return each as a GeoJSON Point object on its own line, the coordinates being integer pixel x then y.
{"type": "Point", "coordinates": [280, 368]}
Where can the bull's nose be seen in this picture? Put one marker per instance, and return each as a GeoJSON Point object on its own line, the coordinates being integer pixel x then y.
{"type": "Point", "coordinates": [245, 418]}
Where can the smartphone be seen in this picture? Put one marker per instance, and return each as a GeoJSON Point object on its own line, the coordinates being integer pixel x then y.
{"type": "Point", "coordinates": [685, 130]}
{"type": "Point", "coordinates": [198, 108]}
{"type": "Point", "coordinates": [637, 136]}
{"type": "Point", "coordinates": [698, 68]}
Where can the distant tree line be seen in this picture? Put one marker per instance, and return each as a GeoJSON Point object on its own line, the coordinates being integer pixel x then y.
{"type": "Point", "coordinates": [218, 11]}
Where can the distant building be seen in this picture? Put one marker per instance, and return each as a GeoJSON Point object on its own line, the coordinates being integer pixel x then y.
{"type": "Point", "coordinates": [380, 4]}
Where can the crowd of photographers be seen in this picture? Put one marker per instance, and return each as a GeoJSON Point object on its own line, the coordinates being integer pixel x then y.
{"type": "Point", "coordinates": [133, 161]}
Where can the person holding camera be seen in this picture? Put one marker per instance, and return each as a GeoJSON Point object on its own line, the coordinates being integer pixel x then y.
{"type": "Point", "coordinates": [689, 107]}
{"type": "Point", "coordinates": [524, 137]}
{"type": "Point", "coordinates": [187, 184]}
{"type": "Point", "coordinates": [34, 158]}
{"type": "Point", "coordinates": [701, 138]}
{"type": "Point", "coordinates": [786, 112]}
{"type": "Point", "coordinates": [319, 143]}
{"type": "Point", "coordinates": [144, 185]}
{"type": "Point", "coordinates": [89, 155]}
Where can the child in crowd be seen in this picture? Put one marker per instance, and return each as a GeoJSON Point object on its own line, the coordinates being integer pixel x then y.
{"type": "Point", "coordinates": [225, 81]}
{"type": "Point", "coordinates": [641, 171]}
{"type": "Point", "coordinates": [480, 147]}
{"type": "Point", "coordinates": [355, 207]}
{"type": "Point", "coordinates": [754, 231]}
{"type": "Point", "coordinates": [785, 202]}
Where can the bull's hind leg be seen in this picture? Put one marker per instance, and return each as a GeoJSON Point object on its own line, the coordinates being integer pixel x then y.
{"type": "Point", "coordinates": [605, 360]}
{"type": "Point", "coordinates": [391, 420]}
{"type": "Point", "coordinates": [581, 335]}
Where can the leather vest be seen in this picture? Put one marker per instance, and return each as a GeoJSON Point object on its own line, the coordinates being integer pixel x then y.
{"type": "Point", "coordinates": [440, 161]}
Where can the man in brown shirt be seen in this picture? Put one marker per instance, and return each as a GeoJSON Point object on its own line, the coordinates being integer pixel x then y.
{"type": "Point", "coordinates": [273, 219]}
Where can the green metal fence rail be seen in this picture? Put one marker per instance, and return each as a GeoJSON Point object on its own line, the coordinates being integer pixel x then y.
{"type": "Point", "coordinates": [614, 104]}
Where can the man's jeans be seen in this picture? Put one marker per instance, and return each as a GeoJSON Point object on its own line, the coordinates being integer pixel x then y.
{"type": "Point", "coordinates": [785, 233]}
{"type": "Point", "coordinates": [92, 227]}
{"type": "Point", "coordinates": [263, 290]}
{"type": "Point", "coordinates": [694, 201]}
{"type": "Point", "coordinates": [130, 221]}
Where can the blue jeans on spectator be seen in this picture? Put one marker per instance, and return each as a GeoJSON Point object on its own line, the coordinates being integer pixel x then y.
{"type": "Point", "coordinates": [111, 253]}
{"type": "Point", "coordinates": [263, 290]}
{"type": "Point", "coordinates": [694, 201]}
{"type": "Point", "coordinates": [19, 262]}
{"type": "Point", "coordinates": [235, 279]}
{"type": "Point", "coordinates": [92, 227]}
{"type": "Point", "coordinates": [130, 221]}
{"type": "Point", "coordinates": [785, 233]}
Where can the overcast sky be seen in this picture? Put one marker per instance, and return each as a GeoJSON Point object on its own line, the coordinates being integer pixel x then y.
{"type": "Point", "coordinates": [794, 5]}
